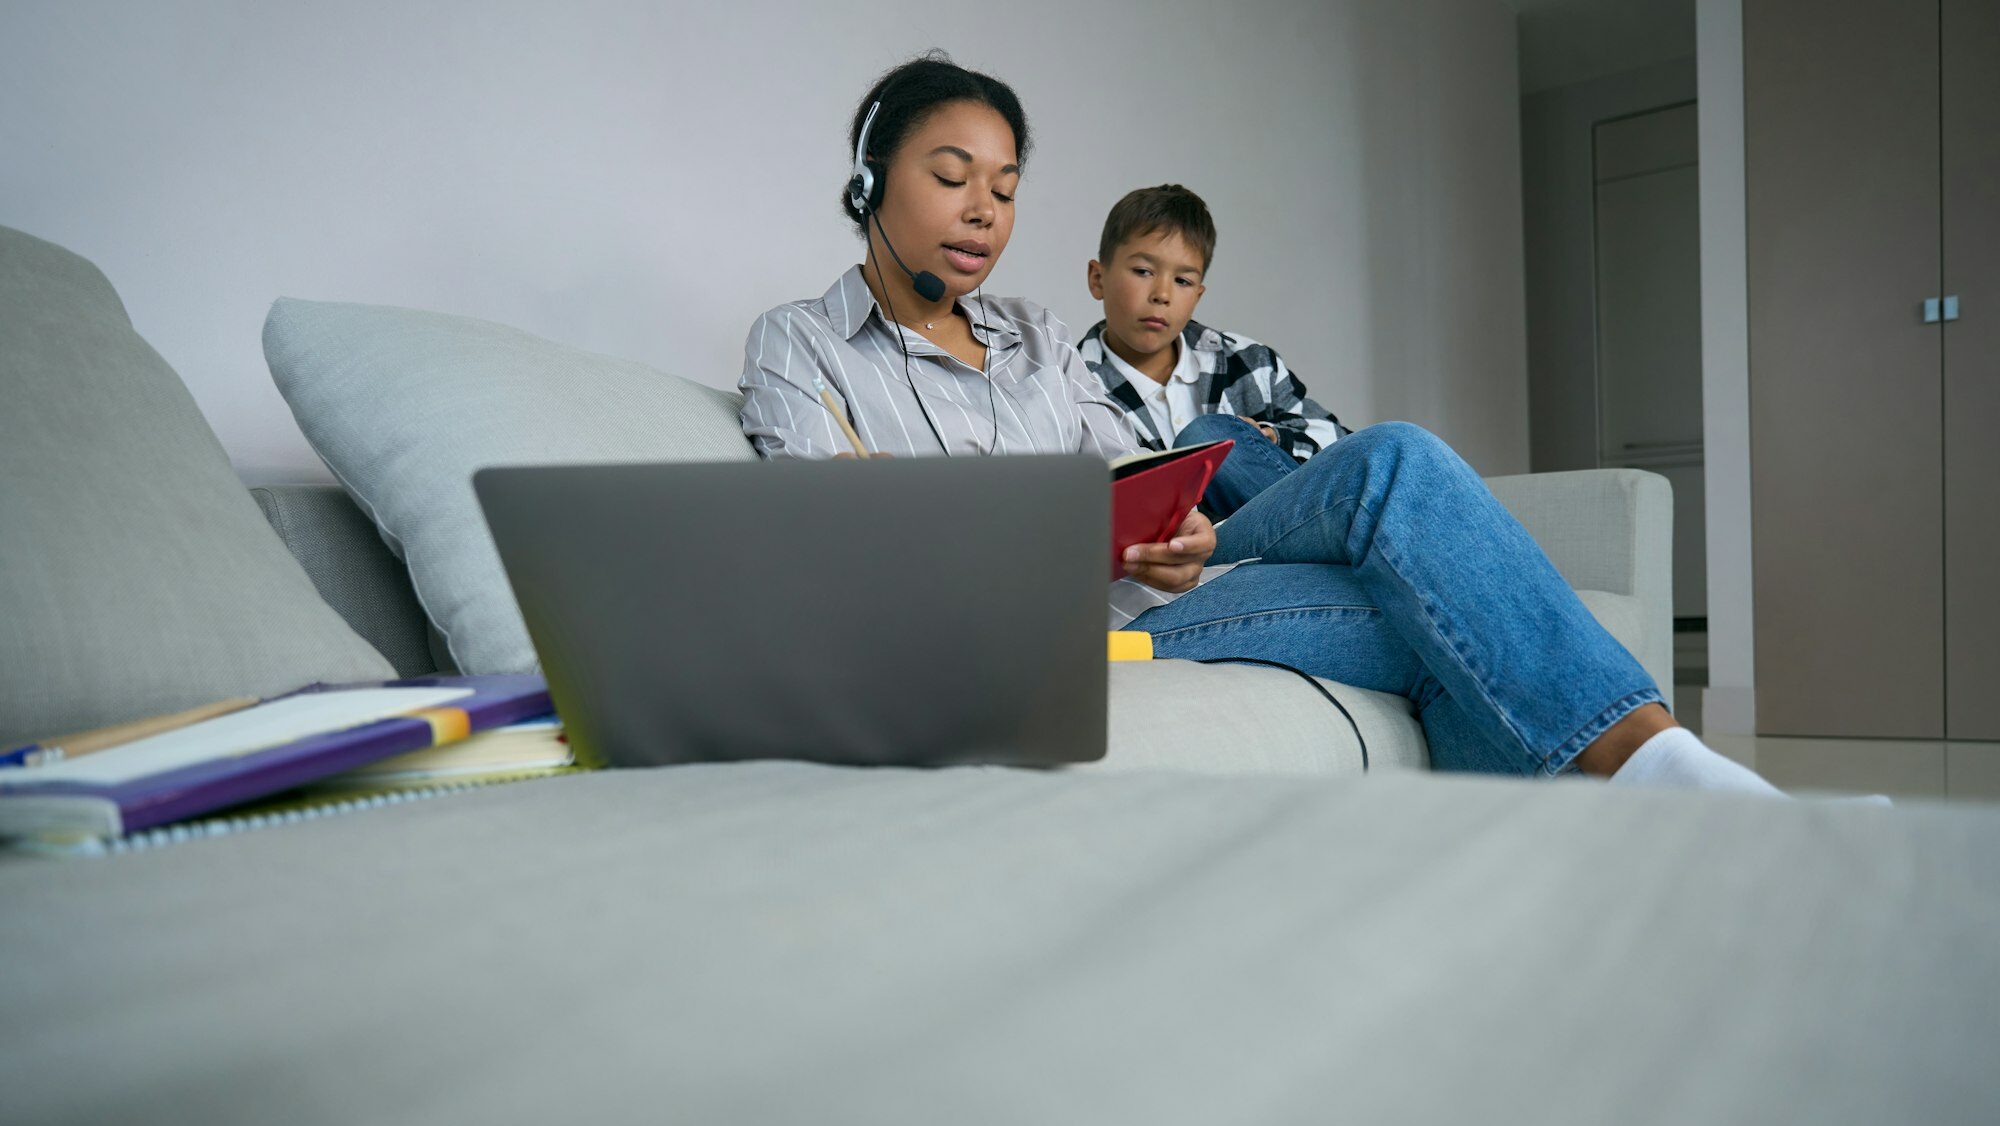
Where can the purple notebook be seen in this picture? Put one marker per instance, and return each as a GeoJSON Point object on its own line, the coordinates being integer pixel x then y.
{"type": "Point", "coordinates": [280, 744]}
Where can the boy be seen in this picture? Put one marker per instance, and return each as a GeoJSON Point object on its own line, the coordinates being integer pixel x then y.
{"type": "Point", "coordinates": [1182, 382]}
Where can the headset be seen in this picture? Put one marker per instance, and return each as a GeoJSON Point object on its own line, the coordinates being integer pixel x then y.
{"type": "Point", "coordinates": [864, 195]}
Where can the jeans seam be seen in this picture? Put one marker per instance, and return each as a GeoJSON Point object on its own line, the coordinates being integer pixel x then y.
{"type": "Point", "coordinates": [1303, 521]}
{"type": "Point", "coordinates": [1386, 546]}
{"type": "Point", "coordinates": [1265, 614]}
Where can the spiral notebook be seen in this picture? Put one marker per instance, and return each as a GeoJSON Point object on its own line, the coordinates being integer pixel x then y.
{"type": "Point", "coordinates": [279, 745]}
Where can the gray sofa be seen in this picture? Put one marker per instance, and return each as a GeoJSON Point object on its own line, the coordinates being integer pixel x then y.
{"type": "Point", "coordinates": [1608, 531]}
{"type": "Point", "coordinates": [140, 580]}
{"type": "Point", "coordinates": [782, 942]}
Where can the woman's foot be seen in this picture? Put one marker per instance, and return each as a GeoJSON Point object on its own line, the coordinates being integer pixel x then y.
{"type": "Point", "coordinates": [1675, 758]}
{"type": "Point", "coordinates": [1647, 748]}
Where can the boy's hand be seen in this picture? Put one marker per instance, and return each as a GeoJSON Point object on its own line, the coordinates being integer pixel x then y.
{"type": "Point", "coordinates": [1269, 431]}
{"type": "Point", "coordinates": [1174, 566]}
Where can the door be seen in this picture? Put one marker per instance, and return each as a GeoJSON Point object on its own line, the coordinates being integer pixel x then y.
{"type": "Point", "coordinates": [1648, 251]}
{"type": "Point", "coordinates": [1846, 388]}
{"type": "Point", "coordinates": [1971, 142]}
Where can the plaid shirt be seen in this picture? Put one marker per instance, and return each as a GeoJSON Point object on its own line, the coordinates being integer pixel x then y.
{"type": "Point", "coordinates": [1237, 376]}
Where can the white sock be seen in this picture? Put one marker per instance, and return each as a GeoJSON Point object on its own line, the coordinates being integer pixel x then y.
{"type": "Point", "coordinates": [1677, 759]}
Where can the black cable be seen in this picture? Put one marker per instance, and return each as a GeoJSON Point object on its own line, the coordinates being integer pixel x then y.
{"type": "Point", "coordinates": [986, 358]}
{"type": "Point", "coordinates": [901, 345]}
{"type": "Point", "coordinates": [986, 371]}
{"type": "Point", "coordinates": [1309, 679]}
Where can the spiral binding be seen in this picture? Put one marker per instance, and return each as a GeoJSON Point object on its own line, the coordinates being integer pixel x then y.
{"type": "Point", "coordinates": [205, 828]}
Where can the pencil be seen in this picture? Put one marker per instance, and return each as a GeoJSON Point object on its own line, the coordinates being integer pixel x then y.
{"type": "Point", "coordinates": [833, 408]}
{"type": "Point", "coordinates": [104, 738]}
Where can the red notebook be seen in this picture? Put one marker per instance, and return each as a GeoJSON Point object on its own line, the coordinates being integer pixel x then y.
{"type": "Point", "coordinates": [1152, 492]}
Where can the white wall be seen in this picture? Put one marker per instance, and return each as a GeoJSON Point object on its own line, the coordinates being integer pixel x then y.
{"type": "Point", "coordinates": [643, 179]}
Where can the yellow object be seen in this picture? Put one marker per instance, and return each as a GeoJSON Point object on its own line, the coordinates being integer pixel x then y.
{"type": "Point", "coordinates": [1131, 645]}
{"type": "Point", "coordinates": [448, 725]}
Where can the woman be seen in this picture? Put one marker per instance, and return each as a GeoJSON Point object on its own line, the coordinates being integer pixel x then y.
{"type": "Point", "coordinates": [1383, 562]}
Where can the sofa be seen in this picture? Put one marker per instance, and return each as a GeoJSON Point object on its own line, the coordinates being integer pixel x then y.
{"type": "Point", "coordinates": [1222, 922]}
{"type": "Point", "coordinates": [403, 579]}
{"type": "Point", "coordinates": [1606, 530]}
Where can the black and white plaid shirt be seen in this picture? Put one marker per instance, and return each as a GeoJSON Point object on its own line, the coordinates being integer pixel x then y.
{"type": "Point", "coordinates": [1234, 375]}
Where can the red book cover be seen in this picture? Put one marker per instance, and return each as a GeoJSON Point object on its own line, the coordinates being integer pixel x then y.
{"type": "Point", "coordinates": [1152, 493]}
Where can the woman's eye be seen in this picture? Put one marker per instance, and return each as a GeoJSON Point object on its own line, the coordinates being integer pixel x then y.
{"type": "Point", "coordinates": [1003, 198]}
{"type": "Point", "coordinates": [949, 183]}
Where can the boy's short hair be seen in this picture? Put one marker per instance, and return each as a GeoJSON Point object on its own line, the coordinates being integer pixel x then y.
{"type": "Point", "coordinates": [1170, 208]}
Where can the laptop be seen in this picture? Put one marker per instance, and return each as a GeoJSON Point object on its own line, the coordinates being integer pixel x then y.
{"type": "Point", "coordinates": [915, 612]}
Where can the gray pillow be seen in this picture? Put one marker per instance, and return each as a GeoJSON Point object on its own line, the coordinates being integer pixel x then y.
{"type": "Point", "coordinates": [137, 576]}
{"type": "Point", "coordinates": [405, 405]}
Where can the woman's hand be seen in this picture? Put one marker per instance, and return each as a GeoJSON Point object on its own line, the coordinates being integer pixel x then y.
{"type": "Point", "coordinates": [1174, 566]}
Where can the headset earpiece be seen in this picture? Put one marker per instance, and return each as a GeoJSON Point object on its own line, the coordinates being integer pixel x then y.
{"type": "Point", "coordinates": [878, 182]}
{"type": "Point", "coordinates": [860, 190]}
{"type": "Point", "coordinates": [864, 189]}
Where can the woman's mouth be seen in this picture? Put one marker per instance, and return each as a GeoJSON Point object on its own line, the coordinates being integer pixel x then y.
{"type": "Point", "coordinates": [967, 257]}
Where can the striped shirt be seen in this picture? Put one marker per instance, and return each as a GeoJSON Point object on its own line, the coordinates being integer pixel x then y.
{"type": "Point", "coordinates": [1045, 398]}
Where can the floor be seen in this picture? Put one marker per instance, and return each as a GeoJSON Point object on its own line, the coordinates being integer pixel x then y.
{"type": "Point", "coordinates": [1952, 771]}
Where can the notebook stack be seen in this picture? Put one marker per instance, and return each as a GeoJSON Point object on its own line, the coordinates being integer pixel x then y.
{"type": "Point", "coordinates": [322, 749]}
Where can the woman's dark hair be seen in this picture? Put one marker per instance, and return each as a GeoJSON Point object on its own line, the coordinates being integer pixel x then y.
{"type": "Point", "coordinates": [911, 93]}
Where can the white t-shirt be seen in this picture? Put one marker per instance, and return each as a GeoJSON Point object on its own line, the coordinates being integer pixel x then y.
{"type": "Point", "coordinates": [1171, 403]}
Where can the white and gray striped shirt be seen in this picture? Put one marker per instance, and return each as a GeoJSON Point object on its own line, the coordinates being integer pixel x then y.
{"type": "Point", "coordinates": [1047, 400]}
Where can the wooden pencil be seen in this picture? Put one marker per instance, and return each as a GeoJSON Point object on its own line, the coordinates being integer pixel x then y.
{"type": "Point", "coordinates": [840, 416]}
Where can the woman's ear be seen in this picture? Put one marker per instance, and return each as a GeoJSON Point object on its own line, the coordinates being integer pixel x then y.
{"type": "Point", "coordinates": [1094, 278]}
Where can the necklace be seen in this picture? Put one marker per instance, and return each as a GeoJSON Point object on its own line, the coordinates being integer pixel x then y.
{"type": "Point", "coordinates": [930, 326]}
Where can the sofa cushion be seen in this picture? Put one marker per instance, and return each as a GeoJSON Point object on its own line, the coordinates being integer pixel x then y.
{"type": "Point", "coordinates": [1187, 717]}
{"type": "Point", "coordinates": [1191, 718]}
{"type": "Point", "coordinates": [404, 405]}
{"type": "Point", "coordinates": [344, 557]}
{"type": "Point", "coordinates": [137, 576]}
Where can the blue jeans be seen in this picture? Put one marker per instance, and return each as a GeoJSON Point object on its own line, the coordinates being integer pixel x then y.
{"type": "Point", "coordinates": [1255, 464]}
{"type": "Point", "coordinates": [1384, 562]}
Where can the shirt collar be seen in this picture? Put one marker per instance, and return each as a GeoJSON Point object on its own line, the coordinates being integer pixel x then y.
{"type": "Point", "coordinates": [849, 302]}
{"type": "Point", "coordinates": [1204, 338]}
{"type": "Point", "coordinates": [1184, 365]}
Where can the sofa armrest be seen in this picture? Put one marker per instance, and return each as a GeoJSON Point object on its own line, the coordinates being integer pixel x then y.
{"type": "Point", "coordinates": [353, 569]}
{"type": "Point", "coordinates": [1610, 530]}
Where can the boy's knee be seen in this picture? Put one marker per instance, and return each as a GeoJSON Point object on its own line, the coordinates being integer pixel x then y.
{"type": "Point", "coordinates": [1214, 428]}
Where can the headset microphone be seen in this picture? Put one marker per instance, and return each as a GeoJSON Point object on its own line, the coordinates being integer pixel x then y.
{"type": "Point", "coordinates": [929, 286]}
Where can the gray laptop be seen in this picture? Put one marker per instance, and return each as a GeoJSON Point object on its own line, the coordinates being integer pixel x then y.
{"type": "Point", "coordinates": [888, 612]}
